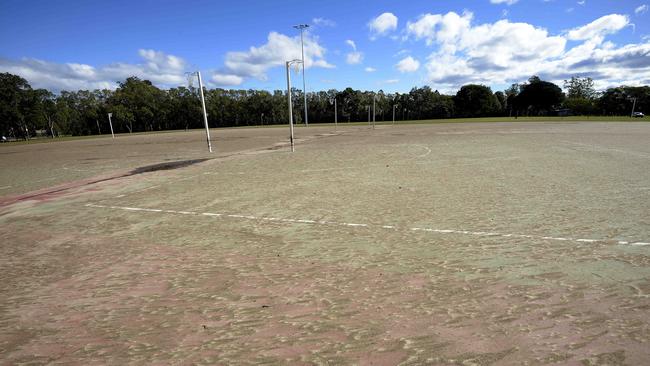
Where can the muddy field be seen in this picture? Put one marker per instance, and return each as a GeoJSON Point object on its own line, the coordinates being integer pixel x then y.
{"type": "Point", "coordinates": [470, 244]}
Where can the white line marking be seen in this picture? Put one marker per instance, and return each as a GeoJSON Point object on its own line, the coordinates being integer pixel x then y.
{"type": "Point", "coordinates": [355, 225]}
{"type": "Point", "coordinates": [330, 169]}
{"type": "Point", "coordinates": [425, 154]}
{"type": "Point", "coordinates": [5, 187]}
{"type": "Point", "coordinates": [388, 227]}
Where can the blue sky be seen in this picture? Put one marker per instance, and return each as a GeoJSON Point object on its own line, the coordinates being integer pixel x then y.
{"type": "Point", "coordinates": [389, 45]}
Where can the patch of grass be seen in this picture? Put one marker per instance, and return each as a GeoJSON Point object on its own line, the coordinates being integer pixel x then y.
{"type": "Point", "coordinates": [508, 119]}
{"type": "Point", "coordinates": [381, 123]}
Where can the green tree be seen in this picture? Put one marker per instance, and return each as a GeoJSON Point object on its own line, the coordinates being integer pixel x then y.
{"type": "Point", "coordinates": [138, 103]}
{"type": "Point", "coordinates": [15, 102]}
{"type": "Point", "coordinates": [539, 97]}
{"type": "Point", "coordinates": [581, 96]}
{"type": "Point", "coordinates": [184, 108]}
{"type": "Point", "coordinates": [475, 101]}
{"type": "Point", "coordinates": [511, 98]}
{"type": "Point", "coordinates": [581, 88]}
{"type": "Point", "coordinates": [619, 101]}
{"type": "Point", "coordinates": [503, 104]}
{"type": "Point", "coordinates": [580, 106]}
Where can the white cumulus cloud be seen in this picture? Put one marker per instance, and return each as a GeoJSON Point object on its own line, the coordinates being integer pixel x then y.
{"type": "Point", "coordinates": [226, 79]}
{"type": "Point", "coordinates": [383, 24]}
{"type": "Point", "coordinates": [278, 49]}
{"type": "Point", "coordinates": [641, 9]}
{"type": "Point", "coordinates": [408, 64]}
{"type": "Point", "coordinates": [599, 28]}
{"type": "Point", "coordinates": [446, 29]}
{"type": "Point", "coordinates": [370, 69]}
{"type": "Point", "coordinates": [504, 52]}
{"type": "Point", "coordinates": [507, 2]}
{"type": "Point", "coordinates": [162, 69]}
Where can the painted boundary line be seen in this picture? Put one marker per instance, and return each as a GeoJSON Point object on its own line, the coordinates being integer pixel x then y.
{"type": "Point", "coordinates": [385, 227]}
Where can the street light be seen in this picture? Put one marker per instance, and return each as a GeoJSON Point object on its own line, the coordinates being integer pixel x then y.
{"type": "Point", "coordinates": [289, 63]}
{"type": "Point", "coordinates": [302, 50]}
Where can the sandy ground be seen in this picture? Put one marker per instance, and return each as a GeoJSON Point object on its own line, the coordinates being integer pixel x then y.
{"type": "Point", "coordinates": [469, 244]}
{"type": "Point", "coordinates": [25, 168]}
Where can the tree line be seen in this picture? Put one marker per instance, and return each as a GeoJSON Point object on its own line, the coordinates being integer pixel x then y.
{"type": "Point", "coordinates": [138, 105]}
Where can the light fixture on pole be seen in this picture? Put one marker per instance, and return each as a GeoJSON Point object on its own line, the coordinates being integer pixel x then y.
{"type": "Point", "coordinates": [288, 64]}
{"type": "Point", "coordinates": [302, 50]}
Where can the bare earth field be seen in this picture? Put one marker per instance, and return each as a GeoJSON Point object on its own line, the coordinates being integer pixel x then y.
{"type": "Point", "coordinates": [469, 244]}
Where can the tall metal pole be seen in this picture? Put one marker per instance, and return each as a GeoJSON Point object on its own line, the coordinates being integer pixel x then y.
{"type": "Point", "coordinates": [633, 106]}
{"type": "Point", "coordinates": [205, 115]}
{"type": "Point", "coordinates": [336, 116]}
{"type": "Point", "coordinates": [111, 124]}
{"type": "Point", "coordinates": [302, 50]}
{"type": "Point", "coordinates": [394, 105]}
{"type": "Point", "coordinates": [374, 99]}
{"type": "Point", "coordinates": [290, 106]}
{"type": "Point", "coordinates": [304, 87]}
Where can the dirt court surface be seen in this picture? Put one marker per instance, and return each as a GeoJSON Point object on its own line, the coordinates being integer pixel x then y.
{"type": "Point", "coordinates": [468, 244]}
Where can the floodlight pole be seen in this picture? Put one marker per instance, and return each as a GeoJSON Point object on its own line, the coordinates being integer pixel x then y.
{"type": "Point", "coordinates": [394, 105]}
{"type": "Point", "coordinates": [633, 106]}
{"type": "Point", "coordinates": [111, 124]}
{"type": "Point", "coordinates": [288, 64]}
{"type": "Point", "coordinates": [205, 115]}
{"type": "Point", "coordinates": [302, 50]}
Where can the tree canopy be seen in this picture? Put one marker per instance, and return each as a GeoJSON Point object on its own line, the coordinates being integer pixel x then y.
{"type": "Point", "coordinates": [476, 101]}
{"type": "Point", "coordinates": [138, 105]}
{"type": "Point", "coordinates": [538, 97]}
